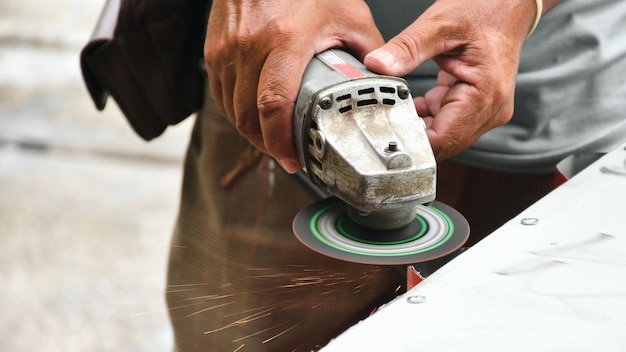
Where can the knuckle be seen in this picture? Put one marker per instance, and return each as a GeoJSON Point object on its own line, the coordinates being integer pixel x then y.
{"type": "Point", "coordinates": [247, 128]}
{"type": "Point", "coordinates": [242, 126]}
{"type": "Point", "coordinates": [271, 102]}
{"type": "Point", "coordinates": [243, 39]}
{"type": "Point", "coordinates": [409, 46]}
{"type": "Point", "coordinates": [210, 54]}
{"type": "Point", "coordinates": [214, 54]}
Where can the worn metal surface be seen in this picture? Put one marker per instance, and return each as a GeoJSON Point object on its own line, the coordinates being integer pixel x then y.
{"type": "Point", "coordinates": [358, 134]}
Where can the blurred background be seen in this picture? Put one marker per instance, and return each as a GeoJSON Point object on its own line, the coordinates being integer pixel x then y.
{"type": "Point", "coordinates": [86, 207]}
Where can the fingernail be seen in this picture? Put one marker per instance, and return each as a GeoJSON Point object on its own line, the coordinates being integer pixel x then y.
{"type": "Point", "coordinates": [384, 57]}
{"type": "Point", "coordinates": [290, 165]}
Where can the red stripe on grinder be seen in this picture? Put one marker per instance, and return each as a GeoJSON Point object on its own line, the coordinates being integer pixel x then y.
{"type": "Point", "coordinates": [348, 70]}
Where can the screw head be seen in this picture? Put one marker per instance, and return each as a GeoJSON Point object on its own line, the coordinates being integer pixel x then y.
{"type": "Point", "coordinates": [392, 147]}
{"type": "Point", "coordinates": [417, 299]}
{"type": "Point", "coordinates": [530, 221]}
{"type": "Point", "coordinates": [403, 92]}
{"type": "Point", "coordinates": [325, 103]}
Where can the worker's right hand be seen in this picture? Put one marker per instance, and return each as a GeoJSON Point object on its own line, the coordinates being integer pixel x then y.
{"type": "Point", "coordinates": [257, 51]}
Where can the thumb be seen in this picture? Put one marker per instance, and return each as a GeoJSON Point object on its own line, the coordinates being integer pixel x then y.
{"type": "Point", "coordinates": [409, 49]}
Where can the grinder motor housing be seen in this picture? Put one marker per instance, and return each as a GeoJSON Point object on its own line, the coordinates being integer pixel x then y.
{"type": "Point", "coordinates": [358, 134]}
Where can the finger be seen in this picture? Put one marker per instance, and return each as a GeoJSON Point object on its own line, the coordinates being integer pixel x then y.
{"type": "Point", "coordinates": [355, 29]}
{"type": "Point", "coordinates": [445, 79]}
{"type": "Point", "coordinates": [455, 126]}
{"type": "Point", "coordinates": [278, 88]}
{"type": "Point", "coordinates": [221, 84]}
{"type": "Point", "coordinates": [244, 102]}
{"type": "Point", "coordinates": [227, 82]}
{"type": "Point", "coordinates": [428, 121]}
{"type": "Point", "coordinates": [215, 90]}
{"type": "Point", "coordinates": [434, 97]}
{"type": "Point", "coordinates": [361, 43]}
{"type": "Point", "coordinates": [421, 107]}
{"type": "Point", "coordinates": [421, 41]}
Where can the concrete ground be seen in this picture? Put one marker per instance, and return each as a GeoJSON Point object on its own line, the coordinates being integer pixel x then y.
{"type": "Point", "coordinates": [86, 207]}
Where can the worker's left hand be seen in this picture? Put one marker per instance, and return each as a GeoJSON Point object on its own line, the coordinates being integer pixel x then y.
{"type": "Point", "coordinates": [477, 46]}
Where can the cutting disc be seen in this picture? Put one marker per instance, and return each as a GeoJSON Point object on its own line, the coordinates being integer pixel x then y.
{"type": "Point", "coordinates": [325, 227]}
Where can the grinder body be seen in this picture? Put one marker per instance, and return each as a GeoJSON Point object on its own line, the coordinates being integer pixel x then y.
{"type": "Point", "coordinates": [358, 134]}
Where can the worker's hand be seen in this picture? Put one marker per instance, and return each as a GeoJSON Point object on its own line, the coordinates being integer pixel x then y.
{"type": "Point", "coordinates": [257, 51]}
{"type": "Point", "coordinates": [477, 46]}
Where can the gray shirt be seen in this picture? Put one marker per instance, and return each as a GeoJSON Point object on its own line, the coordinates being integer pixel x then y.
{"type": "Point", "coordinates": [571, 90]}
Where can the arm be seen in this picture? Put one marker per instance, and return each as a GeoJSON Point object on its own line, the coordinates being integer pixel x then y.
{"type": "Point", "coordinates": [477, 46]}
{"type": "Point", "coordinates": [257, 51]}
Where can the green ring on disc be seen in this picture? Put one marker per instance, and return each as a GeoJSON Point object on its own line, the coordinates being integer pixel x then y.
{"type": "Point", "coordinates": [437, 230]}
{"type": "Point", "coordinates": [324, 240]}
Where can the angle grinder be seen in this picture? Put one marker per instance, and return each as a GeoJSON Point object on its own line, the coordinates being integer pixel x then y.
{"type": "Point", "coordinates": [358, 135]}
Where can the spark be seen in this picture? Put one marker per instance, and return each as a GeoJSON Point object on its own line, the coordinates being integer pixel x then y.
{"type": "Point", "coordinates": [269, 276]}
{"type": "Point", "coordinates": [181, 290]}
{"type": "Point", "coordinates": [161, 292]}
{"type": "Point", "coordinates": [210, 308]}
{"type": "Point", "coordinates": [252, 310]}
{"type": "Point", "coordinates": [255, 316]}
{"type": "Point", "coordinates": [303, 281]}
{"type": "Point", "coordinates": [220, 329]}
{"type": "Point", "coordinates": [333, 283]}
{"type": "Point", "coordinates": [259, 332]}
{"type": "Point", "coordinates": [163, 310]}
{"type": "Point", "coordinates": [281, 333]}
{"type": "Point", "coordinates": [209, 297]}
{"type": "Point", "coordinates": [243, 321]}
{"type": "Point", "coordinates": [317, 305]}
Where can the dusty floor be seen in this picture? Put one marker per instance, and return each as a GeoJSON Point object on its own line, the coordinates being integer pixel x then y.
{"type": "Point", "coordinates": [86, 207]}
